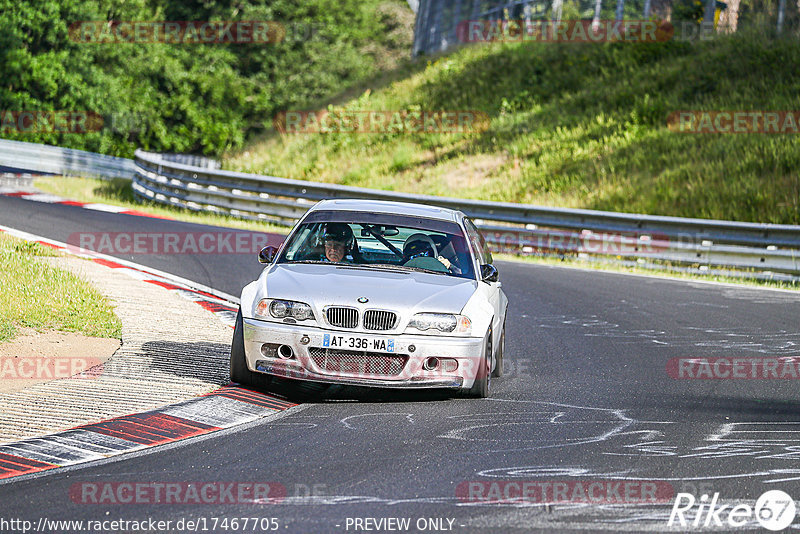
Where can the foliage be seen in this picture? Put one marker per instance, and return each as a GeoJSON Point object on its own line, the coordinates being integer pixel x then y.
{"type": "Point", "coordinates": [201, 98]}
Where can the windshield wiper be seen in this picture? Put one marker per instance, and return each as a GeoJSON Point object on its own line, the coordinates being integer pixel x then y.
{"type": "Point", "coordinates": [408, 268]}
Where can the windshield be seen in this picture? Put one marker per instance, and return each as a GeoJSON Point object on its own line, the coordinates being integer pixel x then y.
{"type": "Point", "coordinates": [380, 241]}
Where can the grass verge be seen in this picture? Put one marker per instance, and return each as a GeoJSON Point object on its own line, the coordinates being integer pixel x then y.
{"type": "Point", "coordinates": [36, 295]}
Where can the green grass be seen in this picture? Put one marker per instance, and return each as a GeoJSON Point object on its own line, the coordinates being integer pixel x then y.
{"type": "Point", "coordinates": [36, 295]}
{"type": "Point", "coordinates": [118, 192]}
{"type": "Point", "coordinates": [575, 125]}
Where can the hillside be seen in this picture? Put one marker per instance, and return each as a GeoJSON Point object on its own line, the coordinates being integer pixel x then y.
{"type": "Point", "coordinates": [574, 125]}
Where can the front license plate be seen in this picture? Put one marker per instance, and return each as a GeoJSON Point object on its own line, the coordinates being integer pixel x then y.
{"type": "Point", "coordinates": [358, 343]}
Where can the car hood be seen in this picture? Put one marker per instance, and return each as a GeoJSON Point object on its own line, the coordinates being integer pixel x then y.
{"type": "Point", "coordinates": [410, 292]}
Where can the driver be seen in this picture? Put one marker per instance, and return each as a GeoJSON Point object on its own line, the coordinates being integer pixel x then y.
{"type": "Point", "coordinates": [338, 239]}
{"type": "Point", "coordinates": [417, 248]}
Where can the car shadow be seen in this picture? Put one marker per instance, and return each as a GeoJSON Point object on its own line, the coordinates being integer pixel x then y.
{"type": "Point", "coordinates": [304, 392]}
{"type": "Point", "coordinates": [210, 362]}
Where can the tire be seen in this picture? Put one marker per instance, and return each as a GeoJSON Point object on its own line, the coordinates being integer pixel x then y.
{"type": "Point", "coordinates": [481, 388]}
{"type": "Point", "coordinates": [498, 366]}
{"type": "Point", "coordinates": [239, 371]}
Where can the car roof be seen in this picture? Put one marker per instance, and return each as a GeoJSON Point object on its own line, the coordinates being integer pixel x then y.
{"type": "Point", "coordinates": [386, 206]}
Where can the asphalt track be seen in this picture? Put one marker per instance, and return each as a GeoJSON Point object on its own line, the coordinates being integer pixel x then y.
{"type": "Point", "coordinates": [586, 397]}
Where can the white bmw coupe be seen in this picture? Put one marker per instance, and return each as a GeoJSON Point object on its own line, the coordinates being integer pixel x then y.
{"type": "Point", "coordinates": [374, 293]}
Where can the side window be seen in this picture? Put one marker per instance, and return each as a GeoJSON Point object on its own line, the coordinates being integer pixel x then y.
{"type": "Point", "coordinates": [478, 243]}
{"type": "Point", "coordinates": [486, 252]}
{"type": "Point", "coordinates": [294, 250]}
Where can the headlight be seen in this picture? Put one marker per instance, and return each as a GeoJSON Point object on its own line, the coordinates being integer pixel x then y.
{"type": "Point", "coordinates": [443, 322]}
{"type": "Point", "coordinates": [281, 309]}
{"type": "Point", "coordinates": [301, 311]}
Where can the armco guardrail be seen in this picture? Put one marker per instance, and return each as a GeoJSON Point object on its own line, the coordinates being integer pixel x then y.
{"type": "Point", "coordinates": [521, 228]}
{"type": "Point", "coordinates": [766, 249]}
{"type": "Point", "coordinates": [32, 157]}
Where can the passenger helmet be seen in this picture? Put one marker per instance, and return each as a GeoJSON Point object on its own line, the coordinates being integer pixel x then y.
{"type": "Point", "coordinates": [418, 248]}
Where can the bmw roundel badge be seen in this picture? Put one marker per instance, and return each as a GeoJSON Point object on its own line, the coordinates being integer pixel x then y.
{"type": "Point", "coordinates": [363, 300]}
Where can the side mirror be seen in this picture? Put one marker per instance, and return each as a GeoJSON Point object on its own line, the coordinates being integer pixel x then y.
{"type": "Point", "coordinates": [267, 254]}
{"type": "Point", "coordinates": [489, 273]}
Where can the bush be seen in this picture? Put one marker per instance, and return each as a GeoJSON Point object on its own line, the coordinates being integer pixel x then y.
{"type": "Point", "coordinates": [200, 98]}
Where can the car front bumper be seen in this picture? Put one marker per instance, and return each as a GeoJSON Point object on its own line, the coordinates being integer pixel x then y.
{"type": "Point", "coordinates": [356, 366]}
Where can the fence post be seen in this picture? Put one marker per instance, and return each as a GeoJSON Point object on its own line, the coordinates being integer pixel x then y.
{"type": "Point", "coordinates": [708, 16]}
{"type": "Point", "coordinates": [421, 30]}
{"type": "Point", "coordinates": [456, 20]}
{"type": "Point", "coordinates": [781, 14]}
{"type": "Point", "coordinates": [437, 24]}
{"type": "Point", "coordinates": [598, 5]}
{"type": "Point", "coordinates": [557, 5]}
{"type": "Point", "coordinates": [618, 16]}
{"type": "Point", "coordinates": [476, 9]}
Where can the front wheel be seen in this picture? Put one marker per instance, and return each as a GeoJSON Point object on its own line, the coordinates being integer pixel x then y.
{"type": "Point", "coordinates": [481, 388]}
{"type": "Point", "coordinates": [501, 348]}
{"type": "Point", "coordinates": [239, 371]}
